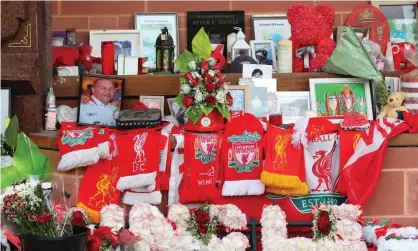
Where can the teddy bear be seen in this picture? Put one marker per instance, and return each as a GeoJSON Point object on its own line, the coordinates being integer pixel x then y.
{"type": "Point", "coordinates": [85, 57]}
{"type": "Point", "coordinates": [311, 30]}
{"type": "Point", "coordinates": [395, 107]}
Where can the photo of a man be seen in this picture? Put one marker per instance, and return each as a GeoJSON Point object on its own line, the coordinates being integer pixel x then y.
{"type": "Point", "coordinates": [100, 101]}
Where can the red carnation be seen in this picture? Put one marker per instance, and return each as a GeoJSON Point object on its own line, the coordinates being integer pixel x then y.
{"type": "Point", "coordinates": [102, 232]}
{"type": "Point", "coordinates": [44, 218]}
{"type": "Point", "coordinates": [202, 217]}
{"type": "Point", "coordinates": [195, 82]}
{"type": "Point", "coordinates": [188, 76]}
{"type": "Point", "coordinates": [229, 99]}
{"type": "Point", "coordinates": [93, 243]}
{"type": "Point", "coordinates": [210, 88]}
{"type": "Point", "coordinates": [187, 101]}
{"type": "Point", "coordinates": [202, 228]}
{"type": "Point", "coordinates": [210, 100]}
{"type": "Point", "coordinates": [324, 223]}
{"type": "Point", "coordinates": [78, 219]}
{"type": "Point", "coordinates": [220, 82]}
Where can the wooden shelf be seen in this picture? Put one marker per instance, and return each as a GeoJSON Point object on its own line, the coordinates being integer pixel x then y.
{"type": "Point", "coordinates": [48, 140]}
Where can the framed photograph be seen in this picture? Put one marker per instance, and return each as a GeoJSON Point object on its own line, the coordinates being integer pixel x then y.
{"type": "Point", "coordinates": [100, 100]}
{"type": "Point", "coordinates": [263, 51]}
{"type": "Point", "coordinates": [127, 42]}
{"type": "Point", "coordinates": [258, 101]}
{"type": "Point", "coordinates": [292, 105]}
{"type": "Point", "coordinates": [402, 18]}
{"type": "Point", "coordinates": [150, 25]}
{"type": "Point", "coordinates": [257, 71]}
{"type": "Point", "coordinates": [270, 84]}
{"type": "Point", "coordinates": [361, 32]}
{"type": "Point", "coordinates": [155, 102]}
{"type": "Point", "coordinates": [241, 97]}
{"type": "Point", "coordinates": [271, 27]}
{"type": "Point", "coordinates": [334, 97]}
{"type": "Point", "coordinates": [6, 108]}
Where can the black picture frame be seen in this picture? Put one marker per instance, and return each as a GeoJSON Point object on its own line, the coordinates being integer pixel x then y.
{"type": "Point", "coordinates": [9, 108]}
{"type": "Point", "coordinates": [84, 83]}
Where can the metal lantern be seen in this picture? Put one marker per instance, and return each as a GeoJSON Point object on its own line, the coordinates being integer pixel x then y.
{"type": "Point", "coordinates": [240, 47]}
{"type": "Point", "coordinates": [164, 49]}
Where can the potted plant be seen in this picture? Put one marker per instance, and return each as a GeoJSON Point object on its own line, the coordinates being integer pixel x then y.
{"type": "Point", "coordinates": [203, 90]}
{"type": "Point", "coordinates": [30, 214]}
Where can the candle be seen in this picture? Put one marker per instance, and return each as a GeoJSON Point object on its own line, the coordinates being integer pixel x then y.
{"type": "Point", "coordinates": [276, 119]}
{"type": "Point", "coordinates": [284, 56]}
{"type": "Point", "coordinates": [108, 58]}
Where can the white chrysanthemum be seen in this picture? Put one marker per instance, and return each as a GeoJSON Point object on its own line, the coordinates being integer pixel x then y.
{"type": "Point", "coordinates": [230, 216]}
{"type": "Point", "coordinates": [397, 245]}
{"type": "Point", "coordinates": [142, 246]}
{"type": "Point", "coordinates": [212, 72]}
{"type": "Point", "coordinates": [192, 65]}
{"type": "Point", "coordinates": [179, 214]}
{"type": "Point", "coordinates": [220, 96]}
{"type": "Point", "coordinates": [349, 230]}
{"type": "Point", "coordinates": [112, 216]}
{"type": "Point", "coordinates": [185, 89]}
{"type": "Point", "coordinates": [198, 96]}
{"type": "Point", "coordinates": [196, 74]}
{"type": "Point", "coordinates": [346, 211]}
{"type": "Point", "coordinates": [370, 234]}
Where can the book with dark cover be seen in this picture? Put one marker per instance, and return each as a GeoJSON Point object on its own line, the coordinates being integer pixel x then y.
{"type": "Point", "coordinates": [218, 25]}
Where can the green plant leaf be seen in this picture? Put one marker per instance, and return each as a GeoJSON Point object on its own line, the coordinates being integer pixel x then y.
{"type": "Point", "coordinates": [206, 109]}
{"type": "Point", "coordinates": [6, 121]}
{"type": "Point", "coordinates": [179, 100]}
{"type": "Point", "coordinates": [384, 222]}
{"type": "Point", "coordinates": [12, 132]}
{"type": "Point", "coordinates": [224, 111]}
{"type": "Point", "coordinates": [182, 61]}
{"type": "Point", "coordinates": [194, 114]}
{"type": "Point", "coordinates": [201, 44]}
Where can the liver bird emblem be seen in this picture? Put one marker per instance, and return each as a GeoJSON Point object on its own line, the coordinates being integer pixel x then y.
{"type": "Point", "coordinates": [281, 159]}
{"type": "Point", "coordinates": [138, 147]}
{"type": "Point", "coordinates": [322, 168]}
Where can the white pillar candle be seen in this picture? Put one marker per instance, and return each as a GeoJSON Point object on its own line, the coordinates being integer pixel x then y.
{"type": "Point", "coordinates": [284, 56]}
{"type": "Point", "coordinates": [230, 40]}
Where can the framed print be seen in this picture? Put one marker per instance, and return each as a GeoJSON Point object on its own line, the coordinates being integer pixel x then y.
{"type": "Point", "coordinates": [156, 102]}
{"type": "Point", "coordinates": [6, 110]}
{"type": "Point", "coordinates": [150, 25]}
{"type": "Point", "coordinates": [263, 51]}
{"type": "Point", "coordinates": [292, 105]}
{"type": "Point", "coordinates": [127, 42]}
{"type": "Point", "coordinates": [402, 18]}
{"type": "Point", "coordinates": [258, 101]}
{"type": "Point", "coordinates": [270, 84]}
{"type": "Point", "coordinates": [241, 97]}
{"type": "Point", "coordinates": [335, 97]}
{"type": "Point", "coordinates": [100, 100]}
{"type": "Point", "coordinates": [257, 71]}
{"type": "Point", "coordinates": [271, 27]}
{"type": "Point", "coordinates": [361, 32]}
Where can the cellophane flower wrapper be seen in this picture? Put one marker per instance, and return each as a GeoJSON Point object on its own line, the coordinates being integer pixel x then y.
{"type": "Point", "coordinates": [28, 161]}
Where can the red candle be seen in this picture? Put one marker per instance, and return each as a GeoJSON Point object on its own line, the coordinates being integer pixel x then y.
{"type": "Point", "coordinates": [108, 58]}
{"type": "Point", "coordinates": [276, 119]}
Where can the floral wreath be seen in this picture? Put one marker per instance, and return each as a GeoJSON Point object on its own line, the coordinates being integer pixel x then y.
{"type": "Point", "coordinates": [203, 87]}
{"type": "Point", "coordinates": [202, 225]}
{"type": "Point", "coordinates": [324, 223]}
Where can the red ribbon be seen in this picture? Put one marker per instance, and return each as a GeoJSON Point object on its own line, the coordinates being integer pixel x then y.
{"type": "Point", "coordinates": [383, 230]}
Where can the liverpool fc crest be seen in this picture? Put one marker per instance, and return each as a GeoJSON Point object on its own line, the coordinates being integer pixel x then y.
{"type": "Point", "coordinates": [244, 154]}
{"type": "Point", "coordinates": [205, 147]}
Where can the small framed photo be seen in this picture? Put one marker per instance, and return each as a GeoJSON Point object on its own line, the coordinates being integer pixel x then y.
{"type": "Point", "coordinates": [402, 19]}
{"type": "Point", "coordinates": [241, 97]}
{"type": "Point", "coordinates": [127, 42]}
{"type": "Point", "coordinates": [335, 97]}
{"type": "Point", "coordinates": [6, 110]}
{"type": "Point", "coordinates": [153, 102]}
{"type": "Point", "coordinates": [263, 51]}
{"type": "Point", "coordinates": [257, 71]}
{"type": "Point", "coordinates": [258, 101]}
{"type": "Point", "coordinates": [292, 105]}
{"type": "Point", "coordinates": [271, 27]}
{"type": "Point", "coordinates": [177, 112]}
{"type": "Point", "coordinates": [270, 84]}
{"type": "Point", "coordinates": [150, 25]}
{"type": "Point", "coordinates": [361, 32]}
{"type": "Point", "coordinates": [100, 100]}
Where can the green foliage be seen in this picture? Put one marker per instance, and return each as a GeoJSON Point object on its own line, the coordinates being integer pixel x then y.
{"type": "Point", "coordinates": [11, 133]}
{"type": "Point", "coordinates": [382, 94]}
{"type": "Point", "coordinates": [182, 61]}
{"type": "Point", "coordinates": [207, 109]}
{"type": "Point", "coordinates": [224, 111]}
{"type": "Point", "coordinates": [201, 44]}
{"type": "Point", "coordinates": [194, 114]}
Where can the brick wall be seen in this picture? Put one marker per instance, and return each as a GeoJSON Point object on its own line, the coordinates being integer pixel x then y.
{"type": "Point", "coordinates": [85, 16]}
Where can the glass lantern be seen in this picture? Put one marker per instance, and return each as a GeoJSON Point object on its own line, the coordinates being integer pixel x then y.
{"type": "Point", "coordinates": [164, 49]}
{"type": "Point", "coordinates": [240, 47]}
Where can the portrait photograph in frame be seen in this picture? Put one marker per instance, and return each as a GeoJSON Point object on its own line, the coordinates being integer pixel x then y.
{"type": "Point", "coordinates": [153, 102]}
{"type": "Point", "coordinates": [335, 97]}
{"type": "Point", "coordinates": [263, 51]}
{"type": "Point", "coordinates": [258, 103]}
{"type": "Point", "coordinates": [100, 100]}
{"type": "Point", "coordinates": [402, 19]}
{"type": "Point", "coordinates": [127, 42]}
{"type": "Point", "coordinates": [292, 105]}
{"type": "Point", "coordinates": [257, 71]}
{"type": "Point", "coordinates": [271, 27]}
{"type": "Point", "coordinates": [241, 97]}
{"type": "Point", "coordinates": [150, 25]}
{"type": "Point", "coordinates": [6, 109]}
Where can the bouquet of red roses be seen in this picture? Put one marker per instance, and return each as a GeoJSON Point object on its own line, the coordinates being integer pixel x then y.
{"type": "Point", "coordinates": [202, 225]}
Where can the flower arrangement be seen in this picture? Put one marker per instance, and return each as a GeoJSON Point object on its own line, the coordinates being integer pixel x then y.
{"type": "Point", "coordinates": [203, 87]}
{"type": "Point", "coordinates": [324, 223]}
{"type": "Point", "coordinates": [202, 225]}
{"type": "Point", "coordinates": [112, 216]}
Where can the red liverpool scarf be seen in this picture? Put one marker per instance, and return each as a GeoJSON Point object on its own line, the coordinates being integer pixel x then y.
{"type": "Point", "coordinates": [284, 171]}
{"type": "Point", "coordinates": [242, 156]}
{"type": "Point", "coordinates": [200, 168]}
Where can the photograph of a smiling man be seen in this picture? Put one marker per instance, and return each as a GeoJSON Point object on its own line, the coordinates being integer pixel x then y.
{"type": "Point", "coordinates": [100, 100]}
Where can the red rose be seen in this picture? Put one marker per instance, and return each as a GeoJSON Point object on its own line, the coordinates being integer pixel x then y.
{"type": "Point", "coordinates": [324, 223]}
{"type": "Point", "coordinates": [187, 101]}
{"type": "Point", "coordinates": [195, 82]}
{"type": "Point", "coordinates": [192, 211]}
{"type": "Point", "coordinates": [210, 100]}
{"type": "Point", "coordinates": [202, 217]}
{"type": "Point", "coordinates": [188, 76]}
{"type": "Point", "coordinates": [210, 88]}
{"type": "Point", "coordinates": [44, 218]}
{"type": "Point", "coordinates": [220, 82]}
{"type": "Point", "coordinates": [209, 79]}
{"type": "Point", "coordinates": [102, 232]}
{"type": "Point", "coordinates": [202, 228]}
{"type": "Point", "coordinates": [229, 99]}
{"type": "Point", "coordinates": [78, 219]}
{"type": "Point", "coordinates": [93, 243]}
